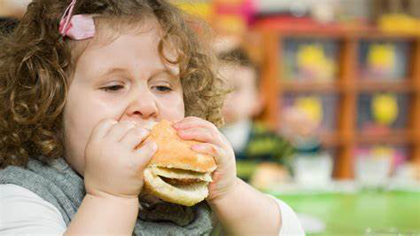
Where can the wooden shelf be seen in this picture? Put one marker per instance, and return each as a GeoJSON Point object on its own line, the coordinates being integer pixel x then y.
{"type": "Point", "coordinates": [349, 86]}
{"type": "Point", "coordinates": [395, 137]}
{"type": "Point", "coordinates": [370, 85]}
{"type": "Point", "coordinates": [401, 86]}
{"type": "Point", "coordinates": [331, 140]}
{"type": "Point", "coordinates": [302, 86]}
{"type": "Point", "coordinates": [331, 31]}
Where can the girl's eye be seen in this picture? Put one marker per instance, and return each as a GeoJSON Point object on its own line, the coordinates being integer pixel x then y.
{"type": "Point", "coordinates": [163, 88]}
{"type": "Point", "coordinates": [112, 88]}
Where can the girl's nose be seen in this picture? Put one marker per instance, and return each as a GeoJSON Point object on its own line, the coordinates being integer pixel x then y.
{"type": "Point", "coordinates": [143, 106]}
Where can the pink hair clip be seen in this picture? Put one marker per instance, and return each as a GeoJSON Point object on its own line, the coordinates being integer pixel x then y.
{"type": "Point", "coordinates": [76, 27]}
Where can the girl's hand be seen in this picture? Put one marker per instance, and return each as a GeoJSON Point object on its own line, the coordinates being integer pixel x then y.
{"type": "Point", "coordinates": [216, 145]}
{"type": "Point", "coordinates": [113, 164]}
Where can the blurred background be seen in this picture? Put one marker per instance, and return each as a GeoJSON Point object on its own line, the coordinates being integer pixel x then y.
{"type": "Point", "coordinates": [325, 105]}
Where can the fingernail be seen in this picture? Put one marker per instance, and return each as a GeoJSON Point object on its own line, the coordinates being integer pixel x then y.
{"type": "Point", "coordinates": [152, 145]}
{"type": "Point", "coordinates": [143, 132]}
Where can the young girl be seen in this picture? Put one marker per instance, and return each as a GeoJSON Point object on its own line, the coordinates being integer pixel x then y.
{"type": "Point", "coordinates": [80, 83]}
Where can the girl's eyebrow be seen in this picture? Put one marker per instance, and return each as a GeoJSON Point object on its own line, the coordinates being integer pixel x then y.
{"type": "Point", "coordinates": [113, 70]}
{"type": "Point", "coordinates": [165, 71]}
{"type": "Point", "coordinates": [117, 70]}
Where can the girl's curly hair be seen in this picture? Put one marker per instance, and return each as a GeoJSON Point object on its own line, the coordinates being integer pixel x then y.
{"type": "Point", "coordinates": [36, 63]}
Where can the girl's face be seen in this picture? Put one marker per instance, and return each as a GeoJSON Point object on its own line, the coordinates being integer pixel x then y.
{"type": "Point", "coordinates": [125, 79]}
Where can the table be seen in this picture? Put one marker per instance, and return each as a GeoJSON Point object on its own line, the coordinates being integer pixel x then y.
{"type": "Point", "coordinates": [354, 213]}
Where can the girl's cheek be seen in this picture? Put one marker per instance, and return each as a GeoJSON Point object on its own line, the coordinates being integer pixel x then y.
{"type": "Point", "coordinates": [109, 105]}
{"type": "Point", "coordinates": [174, 106]}
{"type": "Point", "coordinates": [171, 99]}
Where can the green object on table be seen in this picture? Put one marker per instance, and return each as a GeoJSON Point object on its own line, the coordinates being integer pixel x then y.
{"type": "Point", "coordinates": [355, 213]}
{"type": "Point", "coordinates": [245, 169]}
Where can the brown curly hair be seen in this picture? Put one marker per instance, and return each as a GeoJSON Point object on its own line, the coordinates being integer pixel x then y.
{"type": "Point", "coordinates": [36, 64]}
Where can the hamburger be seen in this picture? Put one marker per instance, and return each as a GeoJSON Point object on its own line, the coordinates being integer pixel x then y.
{"type": "Point", "coordinates": [176, 173]}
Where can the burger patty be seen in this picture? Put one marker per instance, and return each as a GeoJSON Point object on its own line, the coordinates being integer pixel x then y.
{"type": "Point", "coordinates": [181, 182]}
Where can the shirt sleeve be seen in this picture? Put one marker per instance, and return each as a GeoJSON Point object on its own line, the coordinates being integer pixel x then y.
{"type": "Point", "coordinates": [23, 212]}
{"type": "Point", "coordinates": [290, 222]}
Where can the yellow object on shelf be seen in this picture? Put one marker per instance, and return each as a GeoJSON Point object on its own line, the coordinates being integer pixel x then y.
{"type": "Point", "coordinates": [230, 23]}
{"type": "Point", "coordinates": [381, 56]}
{"type": "Point", "coordinates": [399, 23]}
{"type": "Point", "coordinates": [203, 8]}
{"type": "Point", "coordinates": [385, 108]}
{"type": "Point", "coordinates": [382, 152]}
{"type": "Point", "coordinates": [312, 106]}
{"type": "Point", "coordinates": [229, 2]}
{"type": "Point", "coordinates": [312, 58]}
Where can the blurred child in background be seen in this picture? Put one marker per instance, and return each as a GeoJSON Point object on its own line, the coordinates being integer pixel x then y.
{"type": "Point", "coordinates": [263, 156]}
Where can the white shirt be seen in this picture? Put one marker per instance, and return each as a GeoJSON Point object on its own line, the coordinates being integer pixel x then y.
{"type": "Point", "coordinates": [238, 134]}
{"type": "Point", "coordinates": [23, 212]}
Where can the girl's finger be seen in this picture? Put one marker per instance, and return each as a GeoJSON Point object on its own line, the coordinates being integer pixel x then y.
{"type": "Point", "coordinates": [102, 128]}
{"type": "Point", "coordinates": [200, 134]}
{"type": "Point", "coordinates": [118, 131]}
{"type": "Point", "coordinates": [191, 121]}
{"type": "Point", "coordinates": [134, 137]}
{"type": "Point", "coordinates": [145, 153]}
{"type": "Point", "coordinates": [210, 149]}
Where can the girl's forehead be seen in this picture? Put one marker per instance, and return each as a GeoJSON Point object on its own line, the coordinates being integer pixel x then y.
{"type": "Point", "coordinates": [135, 52]}
{"type": "Point", "coordinates": [108, 29]}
